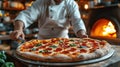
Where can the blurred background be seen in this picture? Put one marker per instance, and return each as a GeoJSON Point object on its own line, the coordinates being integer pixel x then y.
{"type": "Point", "coordinates": [101, 17]}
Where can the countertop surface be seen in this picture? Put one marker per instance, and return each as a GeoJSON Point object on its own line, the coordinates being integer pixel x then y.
{"type": "Point", "coordinates": [113, 61]}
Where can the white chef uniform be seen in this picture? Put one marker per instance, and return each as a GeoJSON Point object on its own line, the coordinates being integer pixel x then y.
{"type": "Point", "coordinates": [53, 20]}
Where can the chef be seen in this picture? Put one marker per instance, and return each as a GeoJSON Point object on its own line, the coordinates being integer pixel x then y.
{"type": "Point", "coordinates": [54, 18]}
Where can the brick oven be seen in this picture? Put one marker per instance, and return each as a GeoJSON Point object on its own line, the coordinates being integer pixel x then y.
{"type": "Point", "coordinates": [104, 22]}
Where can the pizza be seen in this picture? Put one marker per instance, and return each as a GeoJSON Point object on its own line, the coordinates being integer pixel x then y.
{"type": "Point", "coordinates": [63, 49]}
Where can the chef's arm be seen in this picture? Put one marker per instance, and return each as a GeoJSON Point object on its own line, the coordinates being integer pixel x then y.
{"type": "Point", "coordinates": [18, 25]}
{"type": "Point", "coordinates": [18, 30]}
{"type": "Point", "coordinates": [76, 20]}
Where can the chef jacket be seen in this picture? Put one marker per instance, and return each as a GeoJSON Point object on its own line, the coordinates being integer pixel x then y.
{"type": "Point", "coordinates": [53, 19]}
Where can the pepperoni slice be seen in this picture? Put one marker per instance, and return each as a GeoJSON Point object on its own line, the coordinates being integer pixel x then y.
{"type": "Point", "coordinates": [46, 53]}
{"type": "Point", "coordinates": [102, 43]}
{"type": "Point", "coordinates": [72, 49]}
{"type": "Point", "coordinates": [84, 44]}
{"type": "Point", "coordinates": [65, 52]}
{"type": "Point", "coordinates": [83, 51]}
{"type": "Point", "coordinates": [48, 49]}
{"type": "Point", "coordinates": [58, 49]}
{"type": "Point", "coordinates": [95, 46]}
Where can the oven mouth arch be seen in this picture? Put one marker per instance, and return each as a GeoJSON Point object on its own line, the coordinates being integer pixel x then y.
{"type": "Point", "coordinates": [110, 18]}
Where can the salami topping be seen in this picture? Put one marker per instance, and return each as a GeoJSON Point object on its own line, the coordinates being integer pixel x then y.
{"type": "Point", "coordinates": [58, 50]}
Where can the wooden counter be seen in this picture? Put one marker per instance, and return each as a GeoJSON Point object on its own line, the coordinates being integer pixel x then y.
{"type": "Point", "coordinates": [113, 61]}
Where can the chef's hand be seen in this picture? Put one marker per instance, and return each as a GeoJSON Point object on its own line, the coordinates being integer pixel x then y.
{"type": "Point", "coordinates": [82, 34]}
{"type": "Point", "coordinates": [16, 34]}
{"type": "Point", "coordinates": [18, 30]}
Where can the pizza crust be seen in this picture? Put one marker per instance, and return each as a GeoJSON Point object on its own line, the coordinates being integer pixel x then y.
{"type": "Point", "coordinates": [98, 53]}
{"type": "Point", "coordinates": [35, 57]}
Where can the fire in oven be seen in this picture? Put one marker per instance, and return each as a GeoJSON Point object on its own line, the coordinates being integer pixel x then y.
{"type": "Point", "coordinates": [104, 22]}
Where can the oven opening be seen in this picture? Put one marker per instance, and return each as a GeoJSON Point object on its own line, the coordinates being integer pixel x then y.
{"type": "Point", "coordinates": [103, 28]}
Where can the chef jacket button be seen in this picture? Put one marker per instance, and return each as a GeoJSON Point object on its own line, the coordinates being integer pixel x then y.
{"type": "Point", "coordinates": [51, 17]}
{"type": "Point", "coordinates": [52, 28]}
{"type": "Point", "coordinates": [50, 10]}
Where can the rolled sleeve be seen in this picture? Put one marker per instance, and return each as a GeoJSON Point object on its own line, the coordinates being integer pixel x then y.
{"type": "Point", "coordinates": [22, 18]}
{"type": "Point", "coordinates": [78, 25]}
{"type": "Point", "coordinates": [75, 17]}
{"type": "Point", "coordinates": [29, 15]}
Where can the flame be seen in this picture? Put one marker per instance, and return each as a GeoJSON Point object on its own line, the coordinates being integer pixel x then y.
{"type": "Point", "coordinates": [104, 28]}
{"type": "Point", "coordinates": [109, 30]}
